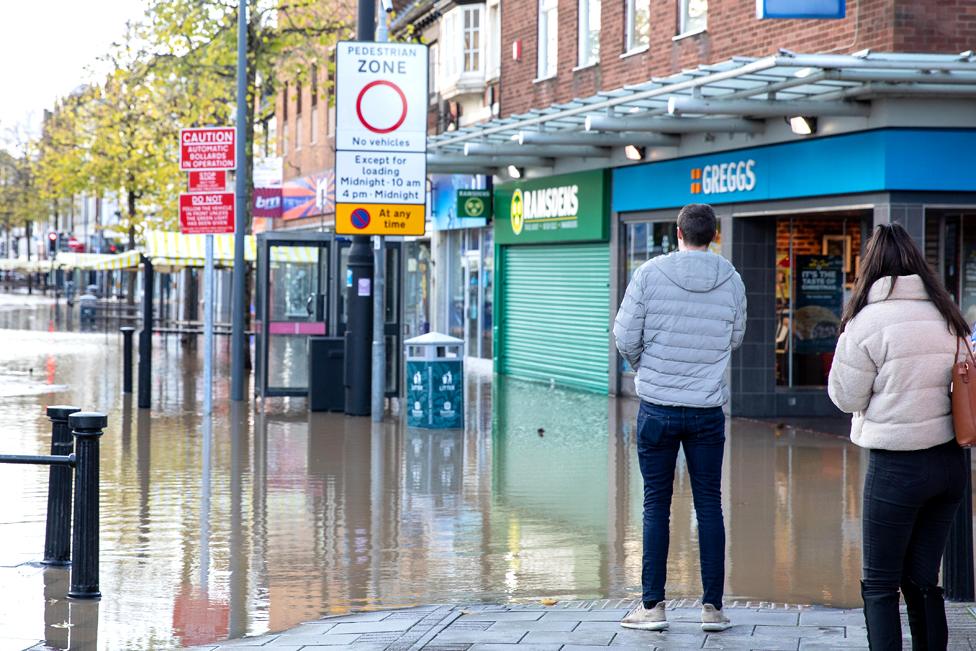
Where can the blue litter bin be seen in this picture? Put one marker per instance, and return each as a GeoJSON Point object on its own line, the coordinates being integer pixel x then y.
{"type": "Point", "coordinates": [435, 381]}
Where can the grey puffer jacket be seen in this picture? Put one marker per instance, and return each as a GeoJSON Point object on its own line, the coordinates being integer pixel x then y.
{"type": "Point", "coordinates": [680, 319]}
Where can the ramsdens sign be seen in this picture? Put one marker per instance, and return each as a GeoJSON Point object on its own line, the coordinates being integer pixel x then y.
{"type": "Point", "coordinates": [570, 207]}
{"type": "Point", "coordinates": [722, 178]}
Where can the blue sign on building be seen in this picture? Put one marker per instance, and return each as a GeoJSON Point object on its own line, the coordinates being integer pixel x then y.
{"type": "Point", "coordinates": [868, 161]}
{"type": "Point", "coordinates": [800, 9]}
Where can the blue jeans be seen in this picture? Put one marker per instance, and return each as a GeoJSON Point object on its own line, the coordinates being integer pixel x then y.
{"type": "Point", "coordinates": [701, 432]}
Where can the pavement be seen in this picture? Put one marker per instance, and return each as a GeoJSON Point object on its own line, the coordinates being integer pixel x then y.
{"type": "Point", "coordinates": [587, 626]}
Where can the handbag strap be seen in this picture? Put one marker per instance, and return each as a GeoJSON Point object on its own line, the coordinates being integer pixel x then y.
{"type": "Point", "coordinates": [969, 349]}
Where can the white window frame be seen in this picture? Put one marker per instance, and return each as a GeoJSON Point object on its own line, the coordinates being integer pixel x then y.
{"type": "Point", "coordinates": [434, 69]}
{"type": "Point", "coordinates": [632, 43]}
{"type": "Point", "coordinates": [548, 43]}
{"type": "Point", "coordinates": [589, 32]}
{"type": "Point", "coordinates": [683, 19]}
{"type": "Point", "coordinates": [471, 22]}
{"type": "Point", "coordinates": [493, 40]}
{"type": "Point", "coordinates": [284, 137]}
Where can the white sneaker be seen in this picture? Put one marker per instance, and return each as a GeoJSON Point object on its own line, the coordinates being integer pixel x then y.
{"type": "Point", "coordinates": [644, 619]}
{"type": "Point", "coordinates": [714, 620]}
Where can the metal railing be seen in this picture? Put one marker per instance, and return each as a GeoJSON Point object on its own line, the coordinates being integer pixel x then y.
{"type": "Point", "coordinates": [74, 447]}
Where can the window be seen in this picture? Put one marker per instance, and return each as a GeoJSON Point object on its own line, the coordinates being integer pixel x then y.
{"type": "Point", "coordinates": [471, 39]}
{"type": "Point", "coordinates": [493, 45]}
{"type": "Point", "coordinates": [589, 32]}
{"type": "Point", "coordinates": [284, 138]}
{"type": "Point", "coordinates": [694, 16]}
{"type": "Point", "coordinates": [638, 24]}
{"type": "Point", "coordinates": [548, 38]}
{"type": "Point", "coordinates": [433, 70]}
{"type": "Point", "coordinates": [315, 104]}
{"type": "Point", "coordinates": [298, 115]}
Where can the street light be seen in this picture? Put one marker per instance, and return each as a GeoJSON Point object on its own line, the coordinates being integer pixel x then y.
{"type": "Point", "coordinates": [634, 152]}
{"type": "Point", "coordinates": [803, 126]}
{"type": "Point", "coordinates": [515, 172]}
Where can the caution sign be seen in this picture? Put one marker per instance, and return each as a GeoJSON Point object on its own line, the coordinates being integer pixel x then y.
{"type": "Point", "coordinates": [208, 148]}
{"type": "Point", "coordinates": [381, 138]}
{"type": "Point", "coordinates": [207, 213]}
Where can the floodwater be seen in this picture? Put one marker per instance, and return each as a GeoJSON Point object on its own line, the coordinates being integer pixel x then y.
{"type": "Point", "coordinates": [278, 516]}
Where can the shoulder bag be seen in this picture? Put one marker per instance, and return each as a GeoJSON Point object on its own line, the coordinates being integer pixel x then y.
{"type": "Point", "coordinates": [963, 390]}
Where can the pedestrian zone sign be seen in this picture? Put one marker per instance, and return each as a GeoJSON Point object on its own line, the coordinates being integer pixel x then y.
{"type": "Point", "coordinates": [381, 138]}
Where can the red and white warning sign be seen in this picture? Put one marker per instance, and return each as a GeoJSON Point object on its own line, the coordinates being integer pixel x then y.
{"type": "Point", "coordinates": [381, 97]}
{"type": "Point", "coordinates": [209, 148]}
{"type": "Point", "coordinates": [207, 181]}
{"type": "Point", "coordinates": [207, 213]}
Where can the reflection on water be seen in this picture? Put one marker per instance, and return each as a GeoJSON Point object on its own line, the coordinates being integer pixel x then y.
{"type": "Point", "coordinates": [277, 516]}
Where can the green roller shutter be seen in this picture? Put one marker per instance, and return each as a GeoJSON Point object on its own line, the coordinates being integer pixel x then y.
{"type": "Point", "coordinates": [555, 314]}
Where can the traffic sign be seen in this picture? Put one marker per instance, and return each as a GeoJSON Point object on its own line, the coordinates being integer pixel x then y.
{"type": "Point", "coordinates": [381, 97]}
{"type": "Point", "coordinates": [207, 181]}
{"type": "Point", "coordinates": [207, 213]}
{"type": "Point", "coordinates": [208, 148]}
{"type": "Point", "coordinates": [379, 219]}
{"type": "Point", "coordinates": [381, 138]}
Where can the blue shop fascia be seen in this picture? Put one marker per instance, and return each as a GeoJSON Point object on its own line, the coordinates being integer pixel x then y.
{"type": "Point", "coordinates": [794, 219]}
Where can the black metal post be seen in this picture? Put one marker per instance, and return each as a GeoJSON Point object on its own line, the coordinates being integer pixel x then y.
{"type": "Point", "coordinates": [359, 294]}
{"type": "Point", "coordinates": [957, 564]}
{"type": "Point", "coordinates": [87, 429]}
{"type": "Point", "coordinates": [57, 539]}
{"type": "Point", "coordinates": [145, 337]}
{"type": "Point", "coordinates": [127, 358]}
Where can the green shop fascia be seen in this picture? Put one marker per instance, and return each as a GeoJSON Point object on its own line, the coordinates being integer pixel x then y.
{"type": "Point", "coordinates": [552, 287]}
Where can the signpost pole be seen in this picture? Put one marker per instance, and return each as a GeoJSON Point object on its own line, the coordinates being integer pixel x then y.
{"type": "Point", "coordinates": [208, 334]}
{"type": "Point", "coordinates": [379, 294]}
{"type": "Point", "coordinates": [238, 305]}
{"type": "Point", "coordinates": [359, 293]}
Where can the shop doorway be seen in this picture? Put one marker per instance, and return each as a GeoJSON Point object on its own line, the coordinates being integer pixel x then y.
{"type": "Point", "coordinates": [950, 249]}
{"type": "Point", "coordinates": [817, 262]}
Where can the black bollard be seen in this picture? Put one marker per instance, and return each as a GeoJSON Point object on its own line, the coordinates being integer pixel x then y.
{"type": "Point", "coordinates": [87, 429]}
{"type": "Point", "coordinates": [57, 539]}
{"type": "Point", "coordinates": [127, 358]}
{"type": "Point", "coordinates": [145, 338]}
{"type": "Point", "coordinates": [957, 564]}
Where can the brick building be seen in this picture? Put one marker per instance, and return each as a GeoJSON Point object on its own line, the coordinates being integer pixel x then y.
{"type": "Point", "coordinates": [636, 40]}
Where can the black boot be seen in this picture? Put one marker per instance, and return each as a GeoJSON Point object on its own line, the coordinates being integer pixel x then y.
{"type": "Point", "coordinates": [915, 602]}
{"type": "Point", "coordinates": [936, 629]}
{"type": "Point", "coordinates": [882, 618]}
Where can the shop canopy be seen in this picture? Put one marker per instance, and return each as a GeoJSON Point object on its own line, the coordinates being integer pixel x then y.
{"type": "Point", "coordinates": [735, 96]}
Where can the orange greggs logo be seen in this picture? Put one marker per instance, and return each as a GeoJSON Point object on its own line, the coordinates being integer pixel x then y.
{"type": "Point", "coordinates": [696, 186]}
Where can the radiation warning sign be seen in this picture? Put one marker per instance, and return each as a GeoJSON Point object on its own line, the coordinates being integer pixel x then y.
{"type": "Point", "coordinates": [381, 138]}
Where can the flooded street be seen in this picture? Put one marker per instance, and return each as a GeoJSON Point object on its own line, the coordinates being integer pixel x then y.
{"type": "Point", "coordinates": [278, 516]}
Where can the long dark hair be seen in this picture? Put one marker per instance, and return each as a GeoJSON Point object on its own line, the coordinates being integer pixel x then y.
{"type": "Point", "coordinates": [892, 252]}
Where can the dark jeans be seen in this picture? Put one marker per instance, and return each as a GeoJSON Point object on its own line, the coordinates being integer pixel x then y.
{"type": "Point", "coordinates": [701, 433]}
{"type": "Point", "coordinates": [910, 500]}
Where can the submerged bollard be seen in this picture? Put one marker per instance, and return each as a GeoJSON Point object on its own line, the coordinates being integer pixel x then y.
{"type": "Point", "coordinates": [127, 332]}
{"type": "Point", "coordinates": [87, 429]}
{"type": "Point", "coordinates": [57, 538]}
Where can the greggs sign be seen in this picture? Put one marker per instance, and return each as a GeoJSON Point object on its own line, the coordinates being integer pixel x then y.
{"type": "Point", "coordinates": [570, 207]}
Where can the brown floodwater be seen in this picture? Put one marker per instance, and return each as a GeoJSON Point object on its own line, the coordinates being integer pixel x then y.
{"type": "Point", "coordinates": [274, 516]}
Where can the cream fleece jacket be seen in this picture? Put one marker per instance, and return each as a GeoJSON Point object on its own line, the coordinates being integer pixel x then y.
{"type": "Point", "coordinates": [892, 369]}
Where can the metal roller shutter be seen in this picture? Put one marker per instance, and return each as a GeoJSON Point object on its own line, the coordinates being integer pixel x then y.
{"type": "Point", "coordinates": [555, 314]}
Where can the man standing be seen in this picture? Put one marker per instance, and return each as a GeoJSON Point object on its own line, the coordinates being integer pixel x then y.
{"type": "Point", "coordinates": [680, 319]}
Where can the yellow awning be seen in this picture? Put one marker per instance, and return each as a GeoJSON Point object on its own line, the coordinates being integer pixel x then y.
{"type": "Point", "coordinates": [25, 265]}
{"type": "Point", "coordinates": [168, 248]}
{"type": "Point", "coordinates": [98, 261]}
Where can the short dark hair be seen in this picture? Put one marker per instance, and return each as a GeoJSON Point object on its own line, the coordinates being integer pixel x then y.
{"type": "Point", "coordinates": [697, 223]}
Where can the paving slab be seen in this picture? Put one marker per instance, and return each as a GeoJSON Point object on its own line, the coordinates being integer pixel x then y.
{"type": "Point", "coordinates": [584, 626]}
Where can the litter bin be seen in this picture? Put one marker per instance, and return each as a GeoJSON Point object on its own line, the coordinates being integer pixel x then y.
{"type": "Point", "coordinates": [435, 381]}
{"type": "Point", "coordinates": [86, 307]}
{"type": "Point", "coordinates": [326, 389]}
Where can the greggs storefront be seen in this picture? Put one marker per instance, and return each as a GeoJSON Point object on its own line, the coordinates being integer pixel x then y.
{"type": "Point", "coordinates": [552, 290]}
{"type": "Point", "coordinates": [794, 220]}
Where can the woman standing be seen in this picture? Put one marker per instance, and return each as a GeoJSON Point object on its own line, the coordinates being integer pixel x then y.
{"type": "Point", "coordinates": [892, 368]}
